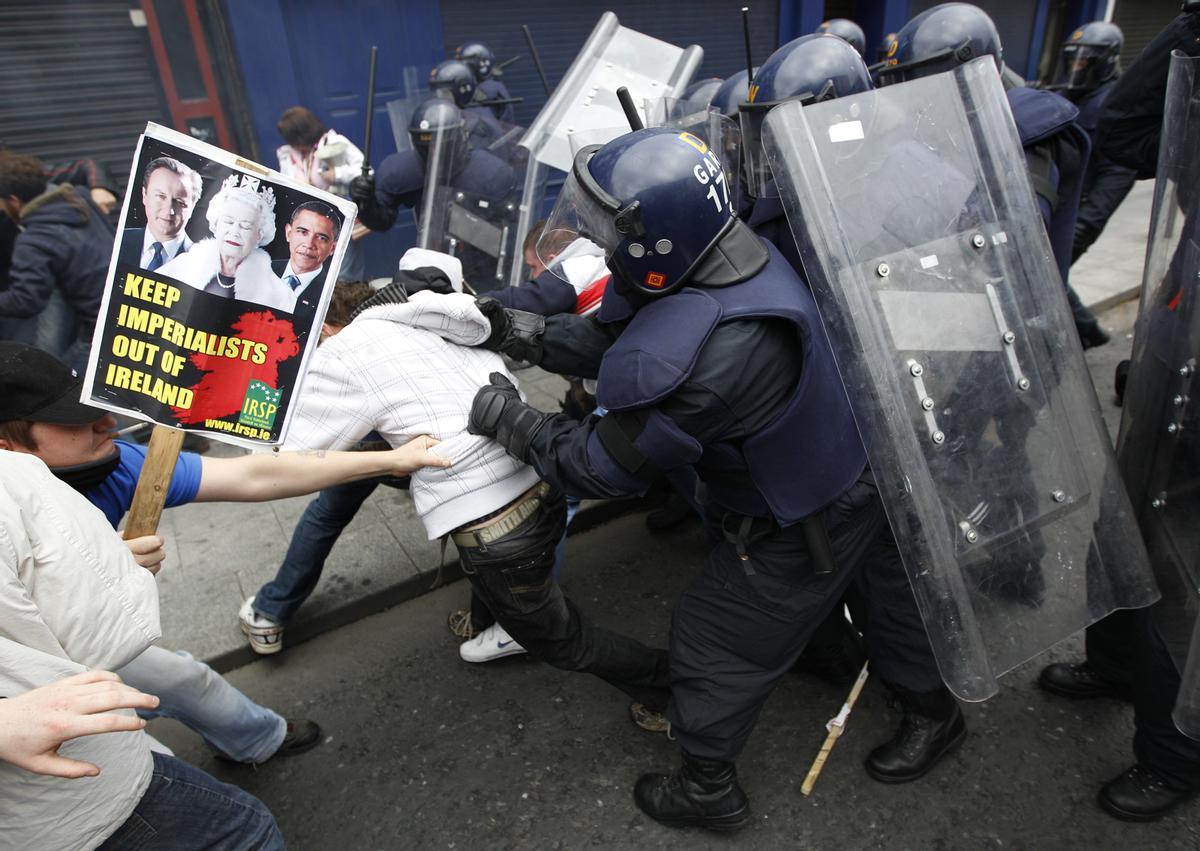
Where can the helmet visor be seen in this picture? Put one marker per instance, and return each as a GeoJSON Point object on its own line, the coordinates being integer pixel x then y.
{"type": "Point", "coordinates": [581, 221]}
{"type": "Point", "coordinates": [1078, 67]}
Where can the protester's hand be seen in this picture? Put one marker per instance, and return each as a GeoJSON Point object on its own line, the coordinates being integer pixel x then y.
{"type": "Point", "coordinates": [493, 311]}
{"type": "Point", "coordinates": [416, 454]}
{"type": "Point", "coordinates": [147, 551]}
{"type": "Point", "coordinates": [362, 190]}
{"type": "Point", "coordinates": [33, 725]}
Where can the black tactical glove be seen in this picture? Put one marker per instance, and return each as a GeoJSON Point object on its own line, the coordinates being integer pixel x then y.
{"type": "Point", "coordinates": [516, 333]}
{"type": "Point", "coordinates": [498, 412]}
{"type": "Point", "coordinates": [362, 190]}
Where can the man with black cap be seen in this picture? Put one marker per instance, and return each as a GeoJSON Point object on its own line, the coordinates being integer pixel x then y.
{"type": "Point", "coordinates": [40, 415]}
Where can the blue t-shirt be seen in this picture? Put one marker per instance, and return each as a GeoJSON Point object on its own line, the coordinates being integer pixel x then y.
{"type": "Point", "coordinates": [115, 494]}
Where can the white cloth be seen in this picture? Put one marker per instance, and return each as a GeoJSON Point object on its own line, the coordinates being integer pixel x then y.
{"type": "Point", "coordinates": [421, 258]}
{"type": "Point", "coordinates": [71, 598]}
{"type": "Point", "coordinates": [307, 169]}
{"type": "Point", "coordinates": [404, 370]}
{"type": "Point", "coordinates": [254, 280]}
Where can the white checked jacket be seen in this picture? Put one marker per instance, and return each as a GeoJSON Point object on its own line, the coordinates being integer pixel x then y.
{"type": "Point", "coordinates": [404, 370]}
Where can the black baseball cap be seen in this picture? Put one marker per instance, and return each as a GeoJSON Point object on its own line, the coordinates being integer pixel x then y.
{"type": "Point", "coordinates": [37, 386]}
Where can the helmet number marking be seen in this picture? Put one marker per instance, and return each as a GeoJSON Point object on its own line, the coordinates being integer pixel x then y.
{"type": "Point", "coordinates": [709, 173]}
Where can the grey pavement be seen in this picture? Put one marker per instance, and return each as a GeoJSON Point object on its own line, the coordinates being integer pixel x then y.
{"type": "Point", "coordinates": [218, 554]}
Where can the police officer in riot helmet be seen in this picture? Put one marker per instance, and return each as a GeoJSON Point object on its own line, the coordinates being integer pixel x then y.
{"type": "Point", "coordinates": [699, 94]}
{"type": "Point", "coordinates": [456, 79]}
{"type": "Point", "coordinates": [399, 181]}
{"type": "Point", "coordinates": [815, 69]}
{"type": "Point", "coordinates": [482, 61]}
{"type": "Point", "coordinates": [847, 31]}
{"type": "Point", "coordinates": [1089, 58]}
{"type": "Point", "coordinates": [1088, 68]}
{"type": "Point", "coordinates": [731, 93]}
{"type": "Point", "coordinates": [951, 34]}
{"type": "Point", "coordinates": [719, 362]}
{"type": "Point", "coordinates": [810, 69]}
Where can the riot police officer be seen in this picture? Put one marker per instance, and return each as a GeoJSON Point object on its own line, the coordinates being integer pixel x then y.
{"type": "Point", "coordinates": [482, 61]}
{"type": "Point", "coordinates": [1088, 68]}
{"type": "Point", "coordinates": [719, 362]}
{"type": "Point", "coordinates": [400, 179]}
{"type": "Point", "coordinates": [847, 31]}
{"type": "Point", "coordinates": [1056, 147]}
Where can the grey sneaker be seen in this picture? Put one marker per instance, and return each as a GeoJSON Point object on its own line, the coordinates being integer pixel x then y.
{"type": "Point", "coordinates": [650, 720]}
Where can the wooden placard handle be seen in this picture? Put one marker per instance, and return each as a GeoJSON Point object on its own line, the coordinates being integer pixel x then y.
{"type": "Point", "coordinates": [151, 491]}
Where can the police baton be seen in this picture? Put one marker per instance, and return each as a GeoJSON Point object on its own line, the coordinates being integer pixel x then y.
{"type": "Point", "coordinates": [746, 36]}
{"type": "Point", "coordinates": [537, 60]}
{"type": "Point", "coordinates": [366, 165]}
{"type": "Point", "coordinates": [498, 71]}
{"type": "Point", "coordinates": [631, 113]}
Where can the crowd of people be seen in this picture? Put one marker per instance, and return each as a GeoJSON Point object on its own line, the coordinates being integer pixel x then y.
{"type": "Point", "coordinates": [698, 361]}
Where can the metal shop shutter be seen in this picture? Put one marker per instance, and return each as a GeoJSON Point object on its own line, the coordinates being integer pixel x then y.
{"type": "Point", "coordinates": [77, 80]}
{"type": "Point", "coordinates": [559, 30]}
{"type": "Point", "coordinates": [1141, 21]}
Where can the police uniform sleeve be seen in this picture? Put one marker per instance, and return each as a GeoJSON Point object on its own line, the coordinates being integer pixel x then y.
{"type": "Point", "coordinates": [546, 294]}
{"type": "Point", "coordinates": [1131, 124]}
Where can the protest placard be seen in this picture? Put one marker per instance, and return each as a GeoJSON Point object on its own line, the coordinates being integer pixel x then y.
{"type": "Point", "coordinates": [221, 272]}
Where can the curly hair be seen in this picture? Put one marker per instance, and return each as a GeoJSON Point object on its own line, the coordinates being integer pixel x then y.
{"type": "Point", "coordinates": [266, 212]}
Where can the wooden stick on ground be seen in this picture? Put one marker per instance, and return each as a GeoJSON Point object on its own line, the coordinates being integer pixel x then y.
{"type": "Point", "coordinates": [836, 727]}
{"type": "Point", "coordinates": [151, 490]}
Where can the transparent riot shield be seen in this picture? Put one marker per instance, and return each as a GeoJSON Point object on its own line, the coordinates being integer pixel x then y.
{"type": "Point", "coordinates": [400, 110]}
{"type": "Point", "coordinates": [1159, 445]}
{"type": "Point", "coordinates": [923, 245]}
{"type": "Point", "coordinates": [469, 207]}
{"type": "Point", "coordinates": [586, 99]}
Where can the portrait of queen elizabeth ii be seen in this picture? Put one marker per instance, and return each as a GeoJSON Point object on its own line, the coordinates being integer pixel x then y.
{"type": "Point", "coordinates": [232, 263]}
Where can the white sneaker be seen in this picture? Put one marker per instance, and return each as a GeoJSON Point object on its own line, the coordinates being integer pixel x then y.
{"type": "Point", "coordinates": [493, 643]}
{"type": "Point", "coordinates": [264, 633]}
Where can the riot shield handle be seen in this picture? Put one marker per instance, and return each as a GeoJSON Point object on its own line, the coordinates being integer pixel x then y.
{"type": "Point", "coordinates": [631, 113]}
{"type": "Point", "coordinates": [746, 36]}
{"type": "Point", "coordinates": [366, 164]}
{"type": "Point", "coordinates": [537, 60]}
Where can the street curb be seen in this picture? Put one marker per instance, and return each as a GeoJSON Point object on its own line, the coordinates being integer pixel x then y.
{"type": "Point", "coordinates": [590, 515]}
{"type": "Point", "coordinates": [1113, 300]}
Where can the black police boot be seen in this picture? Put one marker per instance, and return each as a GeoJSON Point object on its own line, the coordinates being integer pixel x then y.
{"type": "Point", "coordinates": [700, 793]}
{"type": "Point", "coordinates": [932, 726]}
{"type": "Point", "coordinates": [1080, 681]}
{"type": "Point", "coordinates": [1142, 794]}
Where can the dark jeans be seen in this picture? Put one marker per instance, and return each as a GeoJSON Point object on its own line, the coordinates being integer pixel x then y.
{"type": "Point", "coordinates": [184, 808]}
{"type": "Point", "coordinates": [513, 578]}
{"type": "Point", "coordinates": [316, 533]}
{"type": "Point", "coordinates": [742, 624]}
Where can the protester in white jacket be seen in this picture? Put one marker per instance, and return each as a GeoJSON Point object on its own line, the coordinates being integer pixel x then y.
{"type": "Point", "coordinates": [72, 598]}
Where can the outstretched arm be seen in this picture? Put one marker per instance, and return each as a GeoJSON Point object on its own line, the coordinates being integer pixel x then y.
{"type": "Point", "coordinates": [257, 478]}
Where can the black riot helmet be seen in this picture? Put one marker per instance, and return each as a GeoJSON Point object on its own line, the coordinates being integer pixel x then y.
{"type": "Point", "coordinates": [940, 39]}
{"type": "Point", "coordinates": [811, 69]}
{"type": "Point", "coordinates": [455, 79]}
{"type": "Point", "coordinates": [478, 57]}
{"type": "Point", "coordinates": [1089, 58]}
{"type": "Point", "coordinates": [847, 31]}
{"type": "Point", "coordinates": [438, 122]}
